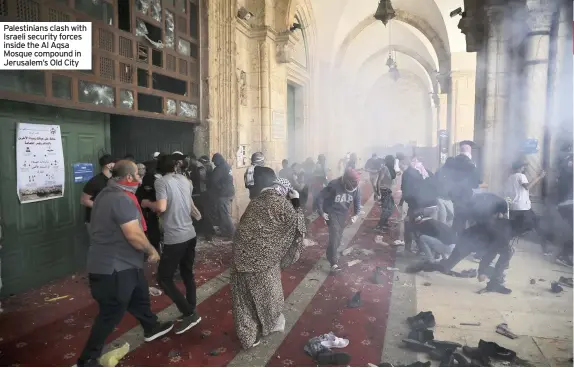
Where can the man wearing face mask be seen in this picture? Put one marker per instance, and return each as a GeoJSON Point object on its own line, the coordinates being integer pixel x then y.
{"type": "Point", "coordinates": [333, 204]}
{"type": "Point", "coordinates": [115, 263]}
{"type": "Point", "coordinates": [96, 184]}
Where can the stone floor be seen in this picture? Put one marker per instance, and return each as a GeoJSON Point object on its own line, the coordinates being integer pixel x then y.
{"type": "Point", "coordinates": [542, 319]}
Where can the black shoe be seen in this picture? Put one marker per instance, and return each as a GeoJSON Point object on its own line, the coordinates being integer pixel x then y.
{"type": "Point", "coordinates": [333, 358]}
{"type": "Point", "coordinates": [447, 359]}
{"type": "Point", "coordinates": [421, 321]}
{"type": "Point", "coordinates": [355, 300]}
{"type": "Point", "coordinates": [495, 351]}
{"type": "Point", "coordinates": [568, 281]}
{"type": "Point", "coordinates": [461, 360]}
{"type": "Point", "coordinates": [160, 329]}
{"type": "Point", "coordinates": [556, 288]}
{"type": "Point", "coordinates": [378, 277]}
{"type": "Point", "coordinates": [187, 323]}
{"type": "Point", "coordinates": [565, 261]}
{"type": "Point", "coordinates": [423, 335]}
{"type": "Point", "coordinates": [418, 346]}
{"type": "Point", "coordinates": [496, 287]}
{"type": "Point", "coordinates": [477, 356]}
{"type": "Point", "coordinates": [88, 363]}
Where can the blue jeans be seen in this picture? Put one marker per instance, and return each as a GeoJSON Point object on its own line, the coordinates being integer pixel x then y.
{"type": "Point", "coordinates": [430, 246]}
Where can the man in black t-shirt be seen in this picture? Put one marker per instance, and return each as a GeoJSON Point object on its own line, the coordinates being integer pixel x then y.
{"type": "Point", "coordinates": [95, 185]}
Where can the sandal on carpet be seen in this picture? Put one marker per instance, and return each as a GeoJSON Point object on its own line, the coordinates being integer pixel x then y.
{"type": "Point", "coordinates": [333, 358]}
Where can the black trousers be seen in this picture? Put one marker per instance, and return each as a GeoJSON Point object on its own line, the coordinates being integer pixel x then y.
{"type": "Point", "coordinates": [304, 197]}
{"type": "Point", "coordinates": [336, 225]}
{"type": "Point", "coordinates": [479, 238]}
{"type": "Point", "coordinates": [204, 226]}
{"type": "Point", "coordinates": [115, 294]}
{"type": "Point", "coordinates": [223, 214]}
{"type": "Point", "coordinates": [461, 217]}
{"type": "Point", "coordinates": [387, 206]}
{"type": "Point", "coordinates": [153, 232]}
{"type": "Point", "coordinates": [180, 256]}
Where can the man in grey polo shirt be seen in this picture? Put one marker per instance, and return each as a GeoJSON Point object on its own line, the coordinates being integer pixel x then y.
{"type": "Point", "coordinates": [115, 263]}
{"type": "Point", "coordinates": [175, 206]}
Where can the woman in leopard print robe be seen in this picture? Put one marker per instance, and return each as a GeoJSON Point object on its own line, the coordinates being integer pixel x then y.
{"type": "Point", "coordinates": [269, 237]}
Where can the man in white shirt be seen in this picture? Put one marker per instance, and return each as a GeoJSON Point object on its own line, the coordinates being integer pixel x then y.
{"type": "Point", "coordinates": [517, 192]}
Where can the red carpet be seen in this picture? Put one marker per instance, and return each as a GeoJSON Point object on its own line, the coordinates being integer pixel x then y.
{"type": "Point", "coordinates": [39, 333]}
{"type": "Point", "coordinates": [214, 342]}
{"type": "Point", "coordinates": [35, 332]}
{"type": "Point", "coordinates": [365, 326]}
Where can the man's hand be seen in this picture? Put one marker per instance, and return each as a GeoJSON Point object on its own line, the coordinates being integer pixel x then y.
{"type": "Point", "coordinates": [326, 217]}
{"type": "Point", "coordinates": [293, 194]}
{"type": "Point", "coordinates": [153, 256]}
{"type": "Point", "coordinates": [353, 219]}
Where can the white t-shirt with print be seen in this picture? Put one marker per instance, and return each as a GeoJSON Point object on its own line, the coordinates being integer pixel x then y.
{"type": "Point", "coordinates": [519, 196]}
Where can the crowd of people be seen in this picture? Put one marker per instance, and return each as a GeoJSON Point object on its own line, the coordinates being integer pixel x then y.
{"type": "Point", "coordinates": [154, 211]}
{"type": "Point", "coordinates": [451, 215]}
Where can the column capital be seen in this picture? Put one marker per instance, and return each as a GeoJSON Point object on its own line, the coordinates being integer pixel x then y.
{"type": "Point", "coordinates": [540, 14]}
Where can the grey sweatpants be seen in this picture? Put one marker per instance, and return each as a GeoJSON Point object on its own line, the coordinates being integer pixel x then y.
{"type": "Point", "coordinates": [336, 225]}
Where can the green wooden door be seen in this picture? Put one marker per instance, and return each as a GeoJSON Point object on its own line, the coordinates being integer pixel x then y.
{"type": "Point", "coordinates": [45, 240]}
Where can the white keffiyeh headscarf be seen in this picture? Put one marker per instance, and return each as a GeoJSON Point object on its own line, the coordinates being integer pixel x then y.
{"type": "Point", "coordinates": [283, 186]}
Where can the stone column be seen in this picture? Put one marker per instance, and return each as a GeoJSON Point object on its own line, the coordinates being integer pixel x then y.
{"type": "Point", "coordinates": [265, 48]}
{"type": "Point", "coordinates": [496, 99]}
{"type": "Point", "coordinates": [536, 83]}
{"type": "Point", "coordinates": [561, 93]}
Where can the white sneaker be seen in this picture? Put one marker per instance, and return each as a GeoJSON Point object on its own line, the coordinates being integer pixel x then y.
{"type": "Point", "coordinates": [331, 341]}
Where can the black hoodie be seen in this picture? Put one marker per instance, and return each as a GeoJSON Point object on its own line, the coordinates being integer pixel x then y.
{"type": "Point", "coordinates": [221, 179]}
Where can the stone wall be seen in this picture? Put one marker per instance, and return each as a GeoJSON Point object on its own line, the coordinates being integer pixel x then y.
{"type": "Point", "coordinates": [247, 83]}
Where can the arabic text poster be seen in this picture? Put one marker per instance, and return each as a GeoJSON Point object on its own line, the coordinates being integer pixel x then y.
{"type": "Point", "coordinates": [41, 173]}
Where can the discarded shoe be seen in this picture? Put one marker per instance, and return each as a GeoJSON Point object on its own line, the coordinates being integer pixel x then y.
{"type": "Point", "coordinates": [447, 359]}
{"type": "Point", "coordinates": [418, 346]}
{"type": "Point", "coordinates": [378, 276]}
{"type": "Point", "coordinates": [505, 331]}
{"type": "Point", "coordinates": [556, 288]}
{"type": "Point", "coordinates": [355, 300]}
{"type": "Point", "coordinates": [495, 351]}
{"type": "Point", "coordinates": [496, 287]}
{"type": "Point", "coordinates": [568, 281]}
{"type": "Point", "coordinates": [423, 335]}
{"type": "Point", "coordinates": [461, 360]}
{"type": "Point", "coordinates": [333, 358]}
{"type": "Point", "coordinates": [422, 320]}
{"type": "Point", "coordinates": [445, 345]}
{"type": "Point", "coordinates": [477, 356]}
{"type": "Point", "coordinates": [331, 341]}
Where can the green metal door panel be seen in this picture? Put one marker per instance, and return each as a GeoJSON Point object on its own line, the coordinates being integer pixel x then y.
{"type": "Point", "coordinates": [45, 240]}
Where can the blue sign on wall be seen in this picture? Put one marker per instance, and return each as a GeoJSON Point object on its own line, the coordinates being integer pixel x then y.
{"type": "Point", "coordinates": [530, 146]}
{"type": "Point", "coordinates": [83, 172]}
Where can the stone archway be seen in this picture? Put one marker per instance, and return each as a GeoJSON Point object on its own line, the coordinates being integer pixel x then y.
{"type": "Point", "coordinates": [423, 26]}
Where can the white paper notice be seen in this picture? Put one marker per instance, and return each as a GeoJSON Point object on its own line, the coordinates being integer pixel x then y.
{"type": "Point", "coordinates": [41, 173]}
